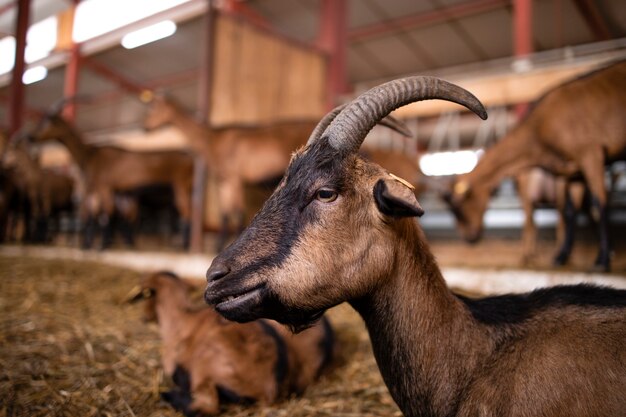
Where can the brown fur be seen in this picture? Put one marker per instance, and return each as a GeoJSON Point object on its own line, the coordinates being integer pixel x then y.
{"type": "Point", "coordinates": [575, 128]}
{"type": "Point", "coordinates": [108, 169]}
{"type": "Point", "coordinates": [240, 358]}
{"type": "Point", "coordinates": [339, 229]}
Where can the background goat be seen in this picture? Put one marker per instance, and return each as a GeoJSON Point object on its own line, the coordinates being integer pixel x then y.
{"type": "Point", "coordinates": [211, 359]}
{"type": "Point", "coordinates": [109, 169]}
{"type": "Point", "coordinates": [237, 155]}
{"type": "Point", "coordinates": [574, 129]}
{"type": "Point", "coordinates": [339, 228]}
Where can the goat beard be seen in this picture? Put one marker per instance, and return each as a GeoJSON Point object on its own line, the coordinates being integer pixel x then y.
{"type": "Point", "coordinates": [296, 319]}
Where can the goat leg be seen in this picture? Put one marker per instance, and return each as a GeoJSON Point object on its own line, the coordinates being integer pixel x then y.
{"type": "Point", "coordinates": [186, 233]}
{"type": "Point", "coordinates": [603, 260]}
{"type": "Point", "coordinates": [569, 220]}
{"type": "Point", "coordinates": [106, 224]}
{"type": "Point", "coordinates": [89, 231]}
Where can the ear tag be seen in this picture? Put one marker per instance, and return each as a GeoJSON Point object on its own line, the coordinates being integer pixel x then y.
{"type": "Point", "coordinates": [402, 181]}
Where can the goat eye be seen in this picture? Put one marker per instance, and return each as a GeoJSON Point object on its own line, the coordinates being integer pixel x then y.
{"type": "Point", "coordinates": [326, 196]}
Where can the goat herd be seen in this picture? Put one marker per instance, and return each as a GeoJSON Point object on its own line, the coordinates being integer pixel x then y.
{"type": "Point", "coordinates": [340, 227]}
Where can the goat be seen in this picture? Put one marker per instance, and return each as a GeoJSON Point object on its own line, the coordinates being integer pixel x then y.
{"type": "Point", "coordinates": [108, 169]}
{"type": "Point", "coordinates": [210, 358]}
{"type": "Point", "coordinates": [48, 191]}
{"type": "Point", "coordinates": [237, 155]}
{"type": "Point", "coordinates": [573, 129]}
{"type": "Point", "coordinates": [339, 228]}
{"type": "Point", "coordinates": [536, 188]}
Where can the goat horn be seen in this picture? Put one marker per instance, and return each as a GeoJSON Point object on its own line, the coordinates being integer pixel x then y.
{"type": "Point", "coordinates": [323, 124]}
{"type": "Point", "coordinates": [349, 128]}
{"type": "Point", "coordinates": [390, 122]}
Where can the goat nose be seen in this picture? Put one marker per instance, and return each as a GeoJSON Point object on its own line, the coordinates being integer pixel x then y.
{"type": "Point", "coordinates": [216, 271]}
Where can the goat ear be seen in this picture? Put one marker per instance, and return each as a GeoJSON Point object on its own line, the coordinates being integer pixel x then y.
{"type": "Point", "coordinates": [395, 199]}
{"type": "Point", "coordinates": [138, 293]}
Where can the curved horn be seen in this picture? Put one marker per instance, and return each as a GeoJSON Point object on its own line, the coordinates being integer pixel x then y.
{"type": "Point", "coordinates": [390, 122]}
{"type": "Point", "coordinates": [348, 129]}
{"type": "Point", "coordinates": [323, 124]}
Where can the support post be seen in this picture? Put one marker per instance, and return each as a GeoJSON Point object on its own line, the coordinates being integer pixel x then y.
{"type": "Point", "coordinates": [203, 116]}
{"type": "Point", "coordinates": [16, 107]}
{"type": "Point", "coordinates": [522, 38]}
{"type": "Point", "coordinates": [333, 39]}
{"type": "Point", "coordinates": [72, 74]}
{"type": "Point", "coordinates": [70, 87]}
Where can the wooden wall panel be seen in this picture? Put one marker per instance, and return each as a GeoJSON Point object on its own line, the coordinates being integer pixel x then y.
{"type": "Point", "coordinates": [260, 78]}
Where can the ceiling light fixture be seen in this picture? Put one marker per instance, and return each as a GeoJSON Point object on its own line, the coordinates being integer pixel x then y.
{"type": "Point", "coordinates": [149, 34]}
{"type": "Point", "coordinates": [34, 74]}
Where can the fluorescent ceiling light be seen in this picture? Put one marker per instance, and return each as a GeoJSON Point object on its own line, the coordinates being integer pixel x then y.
{"type": "Point", "coordinates": [34, 74]}
{"type": "Point", "coordinates": [97, 17]}
{"type": "Point", "coordinates": [149, 34]}
{"type": "Point", "coordinates": [449, 163]}
{"type": "Point", "coordinates": [41, 39]}
{"type": "Point", "coordinates": [7, 54]}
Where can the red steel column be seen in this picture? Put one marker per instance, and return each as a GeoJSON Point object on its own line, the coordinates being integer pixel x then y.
{"type": "Point", "coordinates": [72, 73]}
{"type": "Point", "coordinates": [70, 88]}
{"type": "Point", "coordinates": [333, 38]}
{"type": "Point", "coordinates": [16, 94]}
{"type": "Point", "coordinates": [522, 27]}
{"type": "Point", "coordinates": [204, 109]}
{"type": "Point", "coordinates": [522, 37]}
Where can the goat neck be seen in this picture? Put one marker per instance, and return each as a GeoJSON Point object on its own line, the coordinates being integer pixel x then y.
{"type": "Point", "coordinates": [201, 137]}
{"type": "Point", "coordinates": [60, 129]}
{"type": "Point", "coordinates": [413, 318]}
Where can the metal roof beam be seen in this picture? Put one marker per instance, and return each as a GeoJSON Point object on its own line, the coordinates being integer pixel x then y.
{"type": "Point", "coordinates": [594, 19]}
{"type": "Point", "coordinates": [418, 20]}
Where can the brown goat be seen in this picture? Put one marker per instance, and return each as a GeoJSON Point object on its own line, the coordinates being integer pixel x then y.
{"type": "Point", "coordinates": [211, 359]}
{"type": "Point", "coordinates": [108, 169]}
{"type": "Point", "coordinates": [574, 129]}
{"type": "Point", "coordinates": [536, 188]}
{"type": "Point", "coordinates": [339, 228]}
{"type": "Point", "coordinates": [47, 190]}
{"type": "Point", "coordinates": [237, 155]}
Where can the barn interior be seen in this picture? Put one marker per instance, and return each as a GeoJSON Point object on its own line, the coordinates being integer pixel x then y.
{"type": "Point", "coordinates": [100, 66]}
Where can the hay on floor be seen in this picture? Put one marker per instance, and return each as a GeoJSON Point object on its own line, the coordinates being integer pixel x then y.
{"type": "Point", "coordinates": [69, 346]}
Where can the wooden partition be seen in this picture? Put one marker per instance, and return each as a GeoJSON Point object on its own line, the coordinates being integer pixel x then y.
{"type": "Point", "coordinates": [259, 77]}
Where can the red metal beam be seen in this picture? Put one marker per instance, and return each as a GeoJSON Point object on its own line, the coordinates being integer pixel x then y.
{"type": "Point", "coordinates": [589, 11]}
{"type": "Point", "coordinates": [522, 38]}
{"type": "Point", "coordinates": [418, 20]}
{"type": "Point", "coordinates": [70, 88]}
{"type": "Point", "coordinates": [333, 38]}
{"type": "Point", "coordinates": [522, 27]}
{"type": "Point", "coordinates": [248, 13]}
{"type": "Point", "coordinates": [16, 105]}
{"type": "Point", "coordinates": [107, 72]}
{"type": "Point", "coordinates": [7, 7]}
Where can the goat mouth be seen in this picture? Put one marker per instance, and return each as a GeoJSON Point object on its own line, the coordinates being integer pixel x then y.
{"type": "Point", "coordinates": [241, 306]}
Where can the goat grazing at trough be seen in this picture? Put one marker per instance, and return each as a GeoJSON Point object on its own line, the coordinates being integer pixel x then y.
{"type": "Point", "coordinates": [574, 129]}
{"type": "Point", "coordinates": [211, 359]}
{"type": "Point", "coordinates": [237, 155]}
{"type": "Point", "coordinates": [109, 169]}
{"type": "Point", "coordinates": [339, 228]}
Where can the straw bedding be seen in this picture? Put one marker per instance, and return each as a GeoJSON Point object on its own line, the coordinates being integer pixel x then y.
{"type": "Point", "coordinates": [70, 346]}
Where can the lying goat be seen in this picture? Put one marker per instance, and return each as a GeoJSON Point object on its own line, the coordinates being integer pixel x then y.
{"type": "Point", "coordinates": [210, 358]}
{"type": "Point", "coordinates": [339, 229]}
